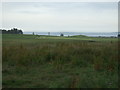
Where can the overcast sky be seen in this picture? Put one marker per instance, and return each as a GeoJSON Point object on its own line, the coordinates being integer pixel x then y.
{"type": "Point", "coordinates": [61, 16]}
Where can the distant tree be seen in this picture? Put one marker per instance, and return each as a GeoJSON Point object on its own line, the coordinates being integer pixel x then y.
{"type": "Point", "coordinates": [61, 34]}
{"type": "Point", "coordinates": [119, 35]}
{"type": "Point", "coordinates": [33, 33]}
{"type": "Point", "coordinates": [0, 31]}
{"type": "Point", "coordinates": [49, 33]}
{"type": "Point", "coordinates": [12, 31]}
{"type": "Point", "coordinates": [4, 31]}
{"type": "Point", "coordinates": [20, 32]}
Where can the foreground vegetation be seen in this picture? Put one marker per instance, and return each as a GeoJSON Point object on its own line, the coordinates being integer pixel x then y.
{"type": "Point", "coordinates": [32, 61]}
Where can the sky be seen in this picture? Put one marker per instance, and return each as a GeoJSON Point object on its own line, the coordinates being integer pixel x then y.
{"type": "Point", "coordinates": [61, 16]}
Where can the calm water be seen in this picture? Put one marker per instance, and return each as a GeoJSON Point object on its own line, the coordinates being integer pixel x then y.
{"type": "Point", "coordinates": [92, 34]}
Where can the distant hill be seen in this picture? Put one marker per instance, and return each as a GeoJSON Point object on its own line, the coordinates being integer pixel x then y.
{"type": "Point", "coordinates": [78, 36]}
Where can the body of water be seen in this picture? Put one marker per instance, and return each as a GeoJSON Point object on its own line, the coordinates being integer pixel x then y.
{"type": "Point", "coordinates": [92, 34]}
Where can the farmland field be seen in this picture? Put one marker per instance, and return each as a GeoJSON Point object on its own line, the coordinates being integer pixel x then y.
{"type": "Point", "coordinates": [34, 61]}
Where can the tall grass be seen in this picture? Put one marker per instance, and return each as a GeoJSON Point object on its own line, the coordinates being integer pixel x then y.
{"type": "Point", "coordinates": [64, 63]}
{"type": "Point", "coordinates": [77, 54]}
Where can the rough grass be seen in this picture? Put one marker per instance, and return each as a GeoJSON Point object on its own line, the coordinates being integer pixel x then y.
{"type": "Point", "coordinates": [29, 62]}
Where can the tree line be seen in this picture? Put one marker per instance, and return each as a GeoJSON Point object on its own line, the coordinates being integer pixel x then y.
{"type": "Point", "coordinates": [12, 31]}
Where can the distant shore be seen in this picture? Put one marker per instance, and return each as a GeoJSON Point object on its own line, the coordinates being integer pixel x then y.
{"type": "Point", "coordinates": [91, 34]}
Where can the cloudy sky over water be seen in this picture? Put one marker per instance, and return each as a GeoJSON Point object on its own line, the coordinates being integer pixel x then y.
{"type": "Point", "coordinates": [61, 16]}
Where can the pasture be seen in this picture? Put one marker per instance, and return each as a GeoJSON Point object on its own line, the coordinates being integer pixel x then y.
{"type": "Point", "coordinates": [34, 61]}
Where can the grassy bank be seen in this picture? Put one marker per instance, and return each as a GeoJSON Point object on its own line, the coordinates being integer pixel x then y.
{"type": "Point", "coordinates": [59, 62]}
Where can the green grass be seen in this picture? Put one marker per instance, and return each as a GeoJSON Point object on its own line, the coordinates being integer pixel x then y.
{"type": "Point", "coordinates": [33, 61]}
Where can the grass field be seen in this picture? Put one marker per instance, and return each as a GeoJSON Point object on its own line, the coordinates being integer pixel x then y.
{"type": "Point", "coordinates": [33, 61]}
